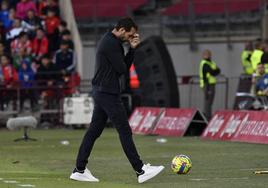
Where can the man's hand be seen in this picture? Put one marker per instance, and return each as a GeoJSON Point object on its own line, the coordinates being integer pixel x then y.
{"type": "Point", "coordinates": [134, 41]}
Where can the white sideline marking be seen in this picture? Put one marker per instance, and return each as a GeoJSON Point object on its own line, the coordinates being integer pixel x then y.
{"type": "Point", "coordinates": [26, 185]}
{"type": "Point", "coordinates": [25, 178]}
{"type": "Point", "coordinates": [198, 179]}
{"type": "Point", "coordinates": [242, 178]}
{"type": "Point", "coordinates": [247, 169]}
{"type": "Point", "coordinates": [24, 172]}
{"type": "Point", "coordinates": [10, 181]}
{"type": "Point", "coordinates": [218, 178]}
{"type": "Point", "coordinates": [1, 179]}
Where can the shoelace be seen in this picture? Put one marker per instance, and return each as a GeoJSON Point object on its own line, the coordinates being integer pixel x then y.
{"type": "Point", "coordinates": [147, 165]}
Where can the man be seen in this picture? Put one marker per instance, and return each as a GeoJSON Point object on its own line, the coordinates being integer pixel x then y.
{"type": "Point", "coordinates": [260, 81]}
{"type": "Point", "coordinates": [264, 57]}
{"type": "Point", "coordinates": [16, 29]}
{"type": "Point", "coordinates": [245, 59]}
{"type": "Point", "coordinates": [207, 72]}
{"type": "Point", "coordinates": [65, 59]}
{"type": "Point", "coordinates": [256, 54]}
{"type": "Point", "coordinates": [47, 76]}
{"type": "Point", "coordinates": [111, 65]}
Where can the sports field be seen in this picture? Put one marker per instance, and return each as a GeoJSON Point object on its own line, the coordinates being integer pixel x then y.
{"type": "Point", "coordinates": [47, 163]}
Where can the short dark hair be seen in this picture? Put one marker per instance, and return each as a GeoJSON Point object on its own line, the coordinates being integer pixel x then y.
{"type": "Point", "coordinates": [7, 56]}
{"type": "Point", "coordinates": [45, 56]}
{"type": "Point", "coordinates": [22, 34]}
{"type": "Point", "coordinates": [126, 23]}
{"type": "Point", "coordinates": [64, 42]}
{"type": "Point", "coordinates": [66, 32]}
{"type": "Point", "coordinates": [63, 23]}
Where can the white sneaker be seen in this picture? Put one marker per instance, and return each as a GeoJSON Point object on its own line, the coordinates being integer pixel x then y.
{"type": "Point", "coordinates": [149, 172]}
{"type": "Point", "coordinates": [84, 176]}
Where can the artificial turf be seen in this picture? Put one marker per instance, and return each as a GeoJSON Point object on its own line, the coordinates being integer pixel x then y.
{"type": "Point", "coordinates": [47, 163]}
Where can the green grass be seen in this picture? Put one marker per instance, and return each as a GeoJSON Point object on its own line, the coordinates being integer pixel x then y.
{"type": "Point", "coordinates": [47, 163]}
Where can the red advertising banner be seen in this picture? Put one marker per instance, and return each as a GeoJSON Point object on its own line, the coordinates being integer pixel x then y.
{"type": "Point", "coordinates": [174, 121]}
{"type": "Point", "coordinates": [253, 128]}
{"type": "Point", "coordinates": [143, 119]}
{"type": "Point", "coordinates": [243, 126]}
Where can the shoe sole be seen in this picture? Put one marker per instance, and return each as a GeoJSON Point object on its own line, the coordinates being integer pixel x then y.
{"type": "Point", "coordinates": [157, 172]}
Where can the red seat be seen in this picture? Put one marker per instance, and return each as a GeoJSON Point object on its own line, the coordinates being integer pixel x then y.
{"type": "Point", "coordinates": [105, 8]}
{"type": "Point", "coordinates": [212, 7]}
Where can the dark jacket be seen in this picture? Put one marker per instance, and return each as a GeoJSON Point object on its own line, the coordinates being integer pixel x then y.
{"type": "Point", "coordinates": [45, 74]}
{"type": "Point", "coordinates": [65, 60]}
{"type": "Point", "coordinates": [208, 69]}
{"type": "Point", "coordinates": [111, 65]}
{"type": "Point", "coordinates": [26, 77]}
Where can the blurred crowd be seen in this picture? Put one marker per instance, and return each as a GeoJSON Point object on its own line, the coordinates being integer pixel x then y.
{"type": "Point", "coordinates": [255, 64]}
{"type": "Point", "coordinates": [36, 51]}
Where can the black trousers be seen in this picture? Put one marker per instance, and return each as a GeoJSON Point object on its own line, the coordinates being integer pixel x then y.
{"type": "Point", "coordinates": [209, 90]}
{"type": "Point", "coordinates": [108, 105]}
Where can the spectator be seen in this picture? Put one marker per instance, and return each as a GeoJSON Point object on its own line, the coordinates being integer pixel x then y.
{"type": "Point", "coordinates": [21, 42]}
{"type": "Point", "coordinates": [2, 33]}
{"type": "Point", "coordinates": [245, 59]}
{"type": "Point", "coordinates": [4, 14]}
{"type": "Point", "coordinates": [41, 5]}
{"type": "Point", "coordinates": [31, 23]}
{"type": "Point", "coordinates": [45, 5]}
{"type": "Point", "coordinates": [23, 7]}
{"type": "Point", "coordinates": [9, 72]}
{"type": "Point", "coordinates": [207, 72]}
{"type": "Point", "coordinates": [40, 44]}
{"type": "Point", "coordinates": [26, 78]}
{"type": "Point", "coordinates": [264, 57]}
{"type": "Point", "coordinates": [16, 30]}
{"type": "Point", "coordinates": [20, 58]}
{"type": "Point", "coordinates": [66, 36]}
{"type": "Point", "coordinates": [13, 3]}
{"type": "Point", "coordinates": [10, 77]}
{"type": "Point", "coordinates": [65, 59]}
{"type": "Point", "coordinates": [61, 29]}
{"type": "Point", "coordinates": [52, 22]}
{"type": "Point", "coordinates": [3, 50]}
{"type": "Point", "coordinates": [8, 23]}
{"type": "Point", "coordinates": [47, 77]}
{"type": "Point", "coordinates": [62, 26]}
{"type": "Point", "coordinates": [260, 81]}
{"type": "Point", "coordinates": [256, 54]}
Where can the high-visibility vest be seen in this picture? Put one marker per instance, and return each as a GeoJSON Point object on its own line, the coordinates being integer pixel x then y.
{"type": "Point", "coordinates": [211, 79]}
{"type": "Point", "coordinates": [256, 58]}
{"type": "Point", "coordinates": [134, 81]}
{"type": "Point", "coordinates": [246, 63]}
{"type": "Point", "coordinates": [266, 68]}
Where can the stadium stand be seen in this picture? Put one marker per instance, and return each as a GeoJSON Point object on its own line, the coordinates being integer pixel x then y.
{"type": "Point", "coordinates": [105, 8]}
{"type": "Point", "coordinates": [214, 19]}
{"type": "Point", "coordinates": [211, 7]}
{"type": "Point", "coordinates": [35, 56]}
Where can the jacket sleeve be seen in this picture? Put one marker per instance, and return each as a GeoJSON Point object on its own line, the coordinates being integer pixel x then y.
{"type": "Point", "coordinates": [115, 56]}
{"type": "Point", "coordinates": [208, 69]}
{"type": "Point", "coordinates": [74, 62]}
{"type": "Point", "coordinates": [213, 72]}
{"type": "Point", "coordinates": [129, 57]}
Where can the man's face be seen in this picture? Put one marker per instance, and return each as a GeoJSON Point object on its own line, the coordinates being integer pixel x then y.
{"type": "Point", "coordinates": [45, 61]}
{"type": "Point", "coordinates": [2, 47]}
{"type": "Point", "coordinates": [64, 47]}
{"type": "Point", "coordinates": [39, 34]}
{"type": "Point", "coordinates": [206, 54]}
{"type": "Point", "coordinates": [261, 69]}
{"type": "Point", "coordinates": [30, 14]}
{"type": "Point", "coordinates": [127, 35]}
{"type": "Point", "coordinates": [4, 60]}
